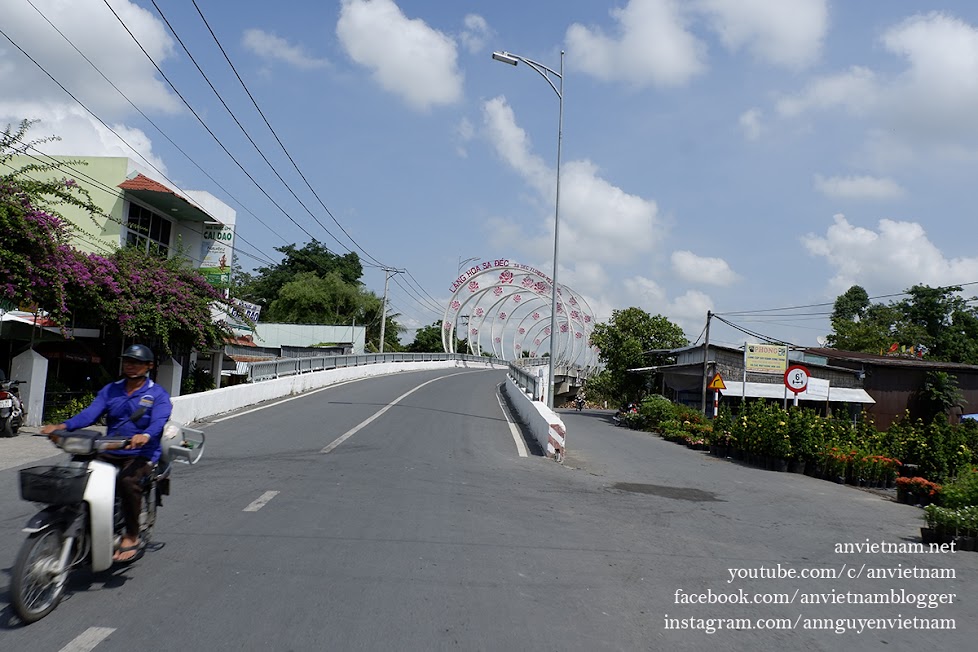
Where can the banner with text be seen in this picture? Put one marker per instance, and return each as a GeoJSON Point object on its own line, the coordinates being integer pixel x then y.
{"type": "Point", "coordinates": [765, 358]}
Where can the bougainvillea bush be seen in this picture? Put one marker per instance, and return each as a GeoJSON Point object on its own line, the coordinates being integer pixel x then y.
{"type": "Point", "coordinates": [138, 294]}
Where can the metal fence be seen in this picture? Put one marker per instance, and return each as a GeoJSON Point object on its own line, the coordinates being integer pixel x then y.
{"type": "Point", "coordinates": [524, 374]}
{"type": "Point", "coordinates": [267, 370]}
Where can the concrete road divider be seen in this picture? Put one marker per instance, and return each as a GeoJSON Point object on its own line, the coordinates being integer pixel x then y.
{"type": "Point", "coordinates": [545, 426]}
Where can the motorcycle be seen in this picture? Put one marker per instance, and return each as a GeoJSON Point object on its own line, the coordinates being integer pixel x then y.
{"type": "Point", "coordinates": [11, 409]}
{"type": "Point", "coordinates": [82, 524]}
{"type": "Point", "coordinates": [619, 416]}
{"type": "Point", "coordinates": [579, 402]}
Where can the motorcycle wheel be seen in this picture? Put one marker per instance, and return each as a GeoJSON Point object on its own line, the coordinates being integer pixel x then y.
{"type": "Point", "coordinates": [35, 589]}
{"type": "Point", "coordinates": [147, 516]}
{"type": "Point", "coordinates": [8, 428]}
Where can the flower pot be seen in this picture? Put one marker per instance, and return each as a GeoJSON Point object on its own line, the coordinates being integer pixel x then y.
{"type": "Point", "coordinates": [968, 544]}
{"type": "Point", "coordinates": [929, 535]}
{"type": "Point", "coordinates": [779, 464]}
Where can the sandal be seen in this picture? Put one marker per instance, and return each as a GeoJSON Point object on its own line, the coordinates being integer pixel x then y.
{"type": "Point", "coordinates": [136, 549]}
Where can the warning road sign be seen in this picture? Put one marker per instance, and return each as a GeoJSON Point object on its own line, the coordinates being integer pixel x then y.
{"type": "Point", "coordinates": [717, 384]}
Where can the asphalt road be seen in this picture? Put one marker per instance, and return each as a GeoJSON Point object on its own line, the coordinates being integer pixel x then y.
{"type": "Point", "coordinates": [424, 529]}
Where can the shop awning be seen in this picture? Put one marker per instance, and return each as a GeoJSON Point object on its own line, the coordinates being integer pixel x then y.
{"type": "Point", "coordinates": [773, 390]}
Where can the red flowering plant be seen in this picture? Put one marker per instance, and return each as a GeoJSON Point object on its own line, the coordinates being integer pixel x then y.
{"type": "Point", "coordinates": [919, 486]}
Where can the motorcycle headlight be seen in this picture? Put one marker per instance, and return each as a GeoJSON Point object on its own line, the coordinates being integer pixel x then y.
{"type": "Point", "coordinates": [77, 445]}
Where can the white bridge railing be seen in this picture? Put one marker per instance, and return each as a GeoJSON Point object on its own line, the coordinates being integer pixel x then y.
{"type": "Point", "coordinates": [269, 369]}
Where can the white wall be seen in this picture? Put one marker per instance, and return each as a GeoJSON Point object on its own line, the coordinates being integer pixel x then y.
{"type": "Point", "coordinates": [195, 407]}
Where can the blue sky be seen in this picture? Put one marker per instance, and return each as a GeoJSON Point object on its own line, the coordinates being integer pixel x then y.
{"type": "Point", "coordinates": [724, 155]}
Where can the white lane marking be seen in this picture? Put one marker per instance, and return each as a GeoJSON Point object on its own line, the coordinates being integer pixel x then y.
{"type": "Point", "coordinates": [363, 424]}
{"type": "Point", "coordinates": [260, 502]}
{"type": "Point", "coordinates": [513, 430]}
{"type": "Point", "coordinates": [286, 400]}
{"type": "Point", "coordinates": [88, 639]}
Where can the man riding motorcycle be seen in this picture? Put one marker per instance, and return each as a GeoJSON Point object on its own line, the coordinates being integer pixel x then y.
{"type": "Point", "coordinates": [137, 408]}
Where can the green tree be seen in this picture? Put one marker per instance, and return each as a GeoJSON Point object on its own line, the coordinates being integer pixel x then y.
{"type": "Point", "coordinates": [939, 394]}
{"type": "Point", "coordinates": [427, 339]}
{"type": "Point", "coordinates": [263, 287]}
{"type": "Point", "coordinates": [859, 325]}
{"type": "Point", "coordinates": [940, 319]}
{"type": "Point", "coordinates": [627, 341]}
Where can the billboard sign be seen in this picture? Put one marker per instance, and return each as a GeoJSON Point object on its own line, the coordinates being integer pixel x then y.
{"type": "Point", "coordinates": [216, 250]}
{"type": "Point", "coordinates": [765, 358]}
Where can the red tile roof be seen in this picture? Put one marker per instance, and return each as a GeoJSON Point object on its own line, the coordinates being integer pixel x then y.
{"type": "Point", "coordinates": [140, 182]}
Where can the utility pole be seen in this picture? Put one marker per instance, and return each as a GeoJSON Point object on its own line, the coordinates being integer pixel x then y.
{"type": "Point", "coordinates": [706, 356]}
{"type": "Point", "coordinates": [383, 313]}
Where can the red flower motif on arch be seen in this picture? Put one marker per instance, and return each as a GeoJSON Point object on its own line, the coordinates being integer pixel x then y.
{"type": "Point", "coordinates": [479, 312]}
{"type": "Point", "coordinates": [502, 316]}
{"type": "Point", "coordinates": [517, 298]}
{"type": "Point", "coordinates": [536, 316]}
{"type": "Point", "coordinates": [474, 331]}
{"type": "Point", "coordinates": [575, 314]}
{"type": "Point", "coordinates": [522, 331]}
{"type": "Point", "coordinates": [506, 277]}
{"type": "Point", "coordinates": [498, 340]}
{"type": "Point", "coordinates": [563, 328]}
{"type": "Point", "coordinates": [527, 282]}
{"type": "Point", "coordinates": [537, 342]}
{"type": "Point", "coordinates": [473, 286]}
{"type": "Point", "coordinates": [497, 290]}
{"type": "Point", "coordinates": [456, 305]}
{"type": "Point", "coordinates": [578, 334]}
{"type": "Point", "coordinates": [447, 325]}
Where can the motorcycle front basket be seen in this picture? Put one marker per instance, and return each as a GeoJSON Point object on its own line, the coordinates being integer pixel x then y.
{"type": "Point", "coordinates": [53, 485]}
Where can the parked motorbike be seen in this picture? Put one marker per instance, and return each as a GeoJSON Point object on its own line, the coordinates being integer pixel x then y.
{"type": "Point", "coordinates": [619, 416]}
{"type": "Point", "coordinates": [11, 408]}
{"type": "Point", "coordinates": [82, 524]}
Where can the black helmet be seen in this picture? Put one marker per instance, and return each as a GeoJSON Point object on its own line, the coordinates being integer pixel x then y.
{"type": "Point", "coordinates": [138, 352]}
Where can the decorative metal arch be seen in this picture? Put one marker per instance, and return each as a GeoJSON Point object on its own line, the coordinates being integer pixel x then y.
{"type": "Point", "coordinates": [508, 304]}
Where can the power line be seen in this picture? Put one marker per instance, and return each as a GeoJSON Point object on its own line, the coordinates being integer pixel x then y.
{"type": "Point", "coordinates": [241, 126]}
{"type": "Point", "coordinates": [275, 134]}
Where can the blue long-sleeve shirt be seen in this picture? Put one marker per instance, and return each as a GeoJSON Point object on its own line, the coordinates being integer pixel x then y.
{"type": "Point", "coordinates": [119, 408]}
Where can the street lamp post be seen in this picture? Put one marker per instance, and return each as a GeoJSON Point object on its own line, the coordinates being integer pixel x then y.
{"type": "Point", "coordinates": [545, 72]}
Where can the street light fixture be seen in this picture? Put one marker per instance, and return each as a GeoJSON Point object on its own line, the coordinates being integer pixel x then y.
{"type": "Point", "coordinates": [558, 88]}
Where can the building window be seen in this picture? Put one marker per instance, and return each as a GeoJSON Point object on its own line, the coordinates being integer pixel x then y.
{"type": "Point", "coordinates": [148, 231]}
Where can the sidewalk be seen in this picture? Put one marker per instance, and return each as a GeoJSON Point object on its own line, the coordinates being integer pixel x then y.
{"type": "Point", "coordinates": [24, 448]}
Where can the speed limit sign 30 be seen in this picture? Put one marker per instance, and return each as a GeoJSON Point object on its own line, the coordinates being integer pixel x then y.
{"type": "Point", "coordinates": [796, 378]}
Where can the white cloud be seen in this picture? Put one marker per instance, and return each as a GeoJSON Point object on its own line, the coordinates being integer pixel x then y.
{"type": "Point", "coordinates": [750, 123]}
{"type": "Point", "coordinates": [700, 269]}
{"type": "Point", "coordinates": [30, 94]}
{"type": "Point", "coordinates": [79, 134]}
{"type": "Point", "coordinates": [928, 108]}
{"type": "Point", "coordinates": [896, 256]}
{"type": "Point", "coordinates": [408, 58]}
{"type": "Point", "coordinates": [858, 187]}
{"type": "Point", "coordinates": [98, 34]}
{"type": "Point", "coordinates": [599, 222]}
{"type": "Point", "coordinates": [475, 34]}
{"type": "Point", "coordinates": [270, 46]}
{"type": "Point", "coordinates": [856, 90]}
{"type": "Point", "coordinates": [937, 93]}
{"type": "Point", "coordinates": [652, 46]}
{"type": "Point", "coordinates": [687, 310]}
{"type": "Point", "coordinates": [786, 33]}
{"type": "Point", "coordinates": [464, 132]}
